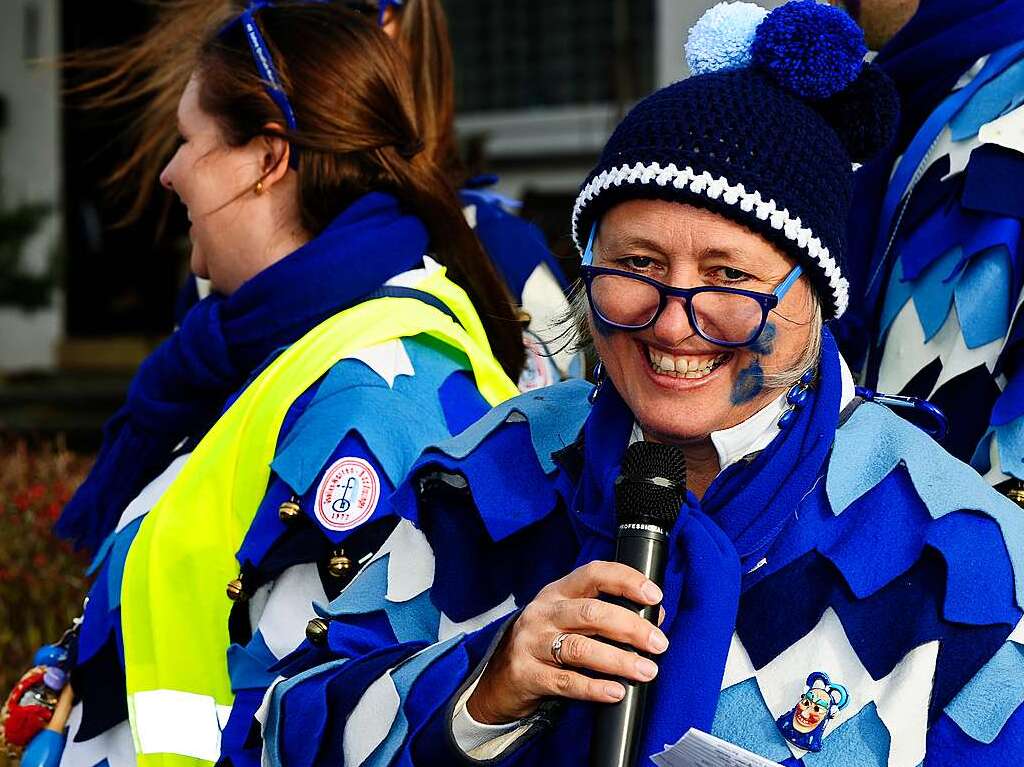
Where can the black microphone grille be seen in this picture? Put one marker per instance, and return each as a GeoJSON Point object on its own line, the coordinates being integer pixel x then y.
{"type": "Point", "coordinates": [652, 485]}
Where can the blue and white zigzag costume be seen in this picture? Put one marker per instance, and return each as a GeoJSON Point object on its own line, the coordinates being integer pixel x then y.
{"type": "Point", "coordinates": [944, 285]}
{"type": "Point", "coordinates": [851, 546]}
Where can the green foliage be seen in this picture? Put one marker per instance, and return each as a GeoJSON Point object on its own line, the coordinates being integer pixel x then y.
{"type": "Point", "coordinates": [17, 287]}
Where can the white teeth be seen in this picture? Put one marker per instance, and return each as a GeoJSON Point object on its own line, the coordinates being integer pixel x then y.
{"type": "Point", "coordinates": [683, 367]}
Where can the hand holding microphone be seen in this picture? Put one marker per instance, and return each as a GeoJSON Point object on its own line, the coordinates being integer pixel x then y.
{"type": "Point", "coordinates": [561, 644]}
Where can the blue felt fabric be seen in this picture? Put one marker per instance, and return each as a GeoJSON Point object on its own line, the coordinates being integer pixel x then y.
{"type": "Point", "coordinates": [182, 387]}
{"type": "Point", "coordinates": [404, 677]}
{"type": "Point", "coordinates": [558, 410]}
{"type": "Point", "coordinates": [349, 399]}
{"type": "Point", "coordinates": [878, 440]}
{"type": "Point", "coordinates": [986, 703]}
{"type": "Point", "coordinates": [862, 740]}
{"type": "Point", "coordinates": [899, 292]}
{"type": "Point", "coordinates": [1000, 95]}
{"type": "Point", "coordinates": [933, 293]}
{"type": "Point", "coordinates": [949, 746]}
{"type": "Point", "coordinates": [983, 300]}
{"type": "Point", "coordinates": [249, 664]}
{"type": "Point", "coordinates": [1010, 438]}
{"type": "Point", "coordinates": [744, 720]}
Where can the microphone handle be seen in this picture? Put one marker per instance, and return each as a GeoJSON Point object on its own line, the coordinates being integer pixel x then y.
{"type": "Point", "coordinates": [618, 726]}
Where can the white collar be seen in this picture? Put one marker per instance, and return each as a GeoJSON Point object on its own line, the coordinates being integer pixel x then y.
{"type": "Point", "coordinates": [757, 432]}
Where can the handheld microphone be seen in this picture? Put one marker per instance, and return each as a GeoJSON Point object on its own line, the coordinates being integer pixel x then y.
{"type": "Point", "coordinates": [648, 495]}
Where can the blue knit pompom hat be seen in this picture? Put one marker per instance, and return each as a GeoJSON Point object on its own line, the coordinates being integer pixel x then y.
{"type": "Point", "coordinates": [765, 133]}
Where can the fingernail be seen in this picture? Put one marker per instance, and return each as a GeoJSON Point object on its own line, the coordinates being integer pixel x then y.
{"type": "Point", "coordinates": [651, 592]}
{"type": "Point", "coordinates": [658, 641]}
{"type": "Point", "coordinates": [647, 669]}
{"type": "Point", "coordinates": [616, 691]}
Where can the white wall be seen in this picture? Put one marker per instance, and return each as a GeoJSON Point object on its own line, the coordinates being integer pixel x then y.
{"type": "Point", "coordinates": [30, 170]}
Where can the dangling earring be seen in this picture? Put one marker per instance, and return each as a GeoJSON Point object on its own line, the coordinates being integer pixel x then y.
{"type": "Point", "coordinates": [599, 378]}
{"type": "Point", "coordinates": [259, 188]}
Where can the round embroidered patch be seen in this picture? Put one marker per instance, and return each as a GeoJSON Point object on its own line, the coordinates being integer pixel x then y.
{"type": "Point", "coordinates": [347, 494]}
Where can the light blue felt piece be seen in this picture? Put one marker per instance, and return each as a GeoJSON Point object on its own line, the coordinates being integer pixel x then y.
{"type": "Point", "coordinates": [404, 676]}
{"type": "Point", "coordinates": [395, 423]}
{"type": "Point", "coordinates": [997, 97]}
{"type": "Point", "coordinates": [118, 557]}
{"type": "Point", "coordinates": [413, 619]}
{"type": "Point", "coordinates": [982, 297]}
{"type": "Point", "coordinates": [393, 427]}
{"type": "Point", "coordinates": [555, 415]}
{"type": "Point", "coordinates": [248, 665]}
{"type": "Point", "coordinates": [743, 719]}
{"type": "Point", "coordinates": [862, 740]}
{"type": "Point", "coordinates": [987, 701]}
{"type": "Point", "coordinates": [271, 728]}
{"type": "Point", "coordinates": [1010, 442]}
{"type": "Point", "coordinates": [874, 440]}
{"type": "Point", "coordinates": [365, 594]}
{"type": "Point", "coordinates": [932, 293]}
{"type": "Point", "coordinates": [896, 297]}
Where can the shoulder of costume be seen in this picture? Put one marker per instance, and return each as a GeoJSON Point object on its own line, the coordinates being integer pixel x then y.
{"type": "Point", "coordinates": [387, 394]}
{"type": "Point", "coordinates": [874, 443]}
{"type": "Point", "coordinates": [510, 454]}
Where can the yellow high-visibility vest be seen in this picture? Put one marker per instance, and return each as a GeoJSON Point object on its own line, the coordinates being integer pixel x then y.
{"type": "Point", "coordinates": [174, 610]}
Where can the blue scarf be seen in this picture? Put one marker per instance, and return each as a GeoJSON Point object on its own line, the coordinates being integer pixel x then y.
{"type": "Point", "coordinates": [925, 60]}
{"type": "Point", "coordinates": [184, 385]}
{"type": "Point", "coordinates": [713, 543]}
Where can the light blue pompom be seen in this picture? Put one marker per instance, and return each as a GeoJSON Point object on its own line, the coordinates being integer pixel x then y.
{"type": "Point", "coordinates": [721, 39]}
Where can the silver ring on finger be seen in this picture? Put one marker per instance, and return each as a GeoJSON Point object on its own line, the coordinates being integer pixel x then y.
{"type": "Point", "coordinates": [556, 648]}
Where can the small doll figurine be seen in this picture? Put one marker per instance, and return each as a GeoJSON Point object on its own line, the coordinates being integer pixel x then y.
{"type": "Point", "coordinates": [804, 726]}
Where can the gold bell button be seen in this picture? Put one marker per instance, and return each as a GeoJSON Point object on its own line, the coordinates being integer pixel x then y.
{"type": "Point", "coordinates": [236, 590]}
{"type": "Point", "coordinates": [289, 510]}
{"type": "Point", "coordinates": [316, 631]}
{"type": "Point", "coordinates": [339, 565]}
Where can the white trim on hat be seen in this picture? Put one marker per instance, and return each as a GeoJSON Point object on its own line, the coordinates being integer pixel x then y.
{"type": "Point", "coordinates": [731, 194]}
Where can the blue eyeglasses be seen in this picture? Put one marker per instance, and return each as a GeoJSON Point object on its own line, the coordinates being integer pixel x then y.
{"type": "Point", "coordinates": [724, 316]}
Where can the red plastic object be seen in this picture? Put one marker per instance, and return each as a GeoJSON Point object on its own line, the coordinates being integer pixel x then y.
{"type": "Point", "coordinates": [23, 721]}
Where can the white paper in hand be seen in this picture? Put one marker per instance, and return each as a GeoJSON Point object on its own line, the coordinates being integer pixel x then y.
{"type": "Point", "coordinates": [698, 749]}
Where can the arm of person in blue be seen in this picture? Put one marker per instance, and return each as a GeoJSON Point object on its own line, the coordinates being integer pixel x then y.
{"type": "Point", "coordinates": [327, 512]}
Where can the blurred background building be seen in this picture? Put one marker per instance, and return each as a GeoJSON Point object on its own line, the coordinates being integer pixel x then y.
{"type": "Point", "coordinates": [540, 84]}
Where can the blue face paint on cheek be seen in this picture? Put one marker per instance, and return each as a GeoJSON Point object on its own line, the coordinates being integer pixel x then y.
{"type": "Point", "coordinates": [750, 381]}
{"type": "Point", "coordinates": [764, 344]}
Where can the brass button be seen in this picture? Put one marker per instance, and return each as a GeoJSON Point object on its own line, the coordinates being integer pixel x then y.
{"type": "Point", "coordinates": [316, 631]}
{"type": "Point", "coordinates": [339, 565]}
{"type": "Point", "coordinates": [289, 510]}
{"type": "Point", "coordinates": [236, 590]}
{"type": "Point", "coordinates": [1016, 493]}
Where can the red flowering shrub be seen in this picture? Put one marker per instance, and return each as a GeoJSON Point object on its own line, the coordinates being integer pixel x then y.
{"type": "Point", "coordinates": [42, 581]}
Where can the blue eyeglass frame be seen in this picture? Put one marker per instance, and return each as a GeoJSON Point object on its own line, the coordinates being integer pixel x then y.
{"type": "Point", "coordinates": [767, 301]}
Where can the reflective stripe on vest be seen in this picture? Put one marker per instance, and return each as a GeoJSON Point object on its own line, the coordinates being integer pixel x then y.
{"type": "Point", "coordinates": [173, 609]}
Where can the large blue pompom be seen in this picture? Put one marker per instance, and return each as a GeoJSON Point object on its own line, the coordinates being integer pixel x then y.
{"type": "Point", "coordinates": [812, 50]}
{"type": "Point", "coordinates": [721, 38]}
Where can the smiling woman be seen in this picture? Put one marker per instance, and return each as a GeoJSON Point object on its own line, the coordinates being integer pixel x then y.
{"type": "Point", "coordinates": [808, 521]}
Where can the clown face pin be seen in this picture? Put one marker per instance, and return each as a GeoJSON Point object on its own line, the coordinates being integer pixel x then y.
{"type": "Point", "coordinates": [804, 726]}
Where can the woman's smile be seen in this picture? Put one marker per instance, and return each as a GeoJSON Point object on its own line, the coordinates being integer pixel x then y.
{"type": "Point", "coordinates": [679, 369]}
